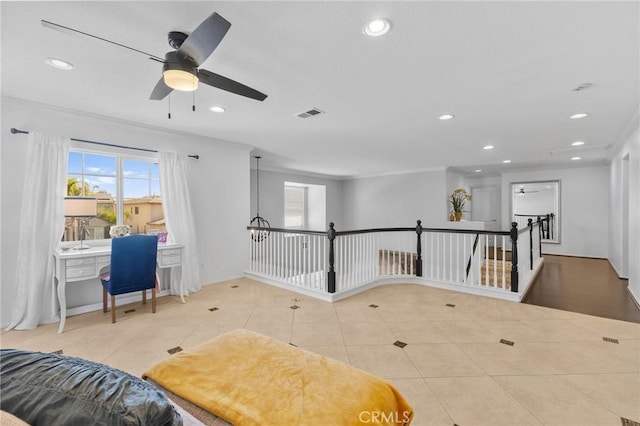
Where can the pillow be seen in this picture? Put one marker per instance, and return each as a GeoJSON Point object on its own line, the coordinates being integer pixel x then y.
{"type": "Point", "coordinates": [51, 389]}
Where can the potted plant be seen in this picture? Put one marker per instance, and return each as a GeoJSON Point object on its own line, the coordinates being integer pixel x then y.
{"type": "Point", "coordinates": [457, 200]}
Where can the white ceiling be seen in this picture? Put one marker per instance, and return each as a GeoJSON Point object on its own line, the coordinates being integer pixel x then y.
{"type": "Point", "coordinates": [505, 69]}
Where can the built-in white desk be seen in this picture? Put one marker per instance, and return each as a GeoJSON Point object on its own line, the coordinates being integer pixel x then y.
{"type": "Point", "coordinates": [78, 265]}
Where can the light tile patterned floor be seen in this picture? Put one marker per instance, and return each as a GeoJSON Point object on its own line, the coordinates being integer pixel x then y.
{"type": "Point", "coordinates": [453, 370]}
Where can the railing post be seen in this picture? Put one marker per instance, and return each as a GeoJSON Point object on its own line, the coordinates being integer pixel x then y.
{"type": "Point", "coordinates": [551, 220]}
{"type": "Point", "coordinates": [514, 257]}
{"type": "Point", "coordinates": [419, 249]}
{"type": "Point", "coordinates": [548, 226]}
{"type": "Point", "coordinates": [540, 235]}
{"type": "Point", "coordinates": [331, 276]}
{"type": "Point", "coordinates": [530, 222]}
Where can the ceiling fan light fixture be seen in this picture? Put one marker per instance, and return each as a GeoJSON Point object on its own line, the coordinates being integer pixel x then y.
{"type": "Point", "coordinates": [180, 80]}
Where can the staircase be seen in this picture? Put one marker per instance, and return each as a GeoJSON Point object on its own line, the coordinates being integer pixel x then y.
{"type": "Point", "coordinates": [494, 269]}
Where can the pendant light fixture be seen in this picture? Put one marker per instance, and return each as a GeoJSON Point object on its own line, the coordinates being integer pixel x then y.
{"type": "Point", "coordinates": [262, 224]}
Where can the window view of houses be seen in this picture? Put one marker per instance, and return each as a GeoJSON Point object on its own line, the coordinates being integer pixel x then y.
{"type": "Point", "coordinates": [100, 176]}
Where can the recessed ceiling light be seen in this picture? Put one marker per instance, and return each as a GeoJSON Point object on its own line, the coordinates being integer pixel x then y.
{"type": "Point", "coordinates": [576, 158]}
{"type": "Point", "coordinates": [579, 115]}
{"type": "Point", "coordinates": [377, 27]}
{"type": "Point", "coordinates": [478, 170]}
{"type": "Point", "coordinates": [59, 63]}
{"type": "Point", "coordinates": [446, 117]}
{"type": "Point", "coordinates": [506, 161]}
{"type": "Point", "coordinates": [487, 147]}
{"type": "Point", "coordinates": [577, 143]}
{"type": "Point", "coordinates": [217, 108]}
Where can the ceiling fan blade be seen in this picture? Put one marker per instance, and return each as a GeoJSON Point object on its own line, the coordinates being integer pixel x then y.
{"type": "Point", "coordinates": [160, 91]}
{"type": "Point", "coordinates": [67, 30]}
{"type": "Point", "coordinates": [224, 83]}
{"type": "Point", "coordinates": [204, 39]}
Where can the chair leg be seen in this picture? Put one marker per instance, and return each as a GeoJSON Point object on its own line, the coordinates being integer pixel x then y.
{"type": "Point", "coordinates": [153, 300]}
{"type": "Point", "coordinates": [113, 309]}
{"type": "Point", "coordinates": [104, 299]}
{"type": "Point", "coordinates": [144, 297]}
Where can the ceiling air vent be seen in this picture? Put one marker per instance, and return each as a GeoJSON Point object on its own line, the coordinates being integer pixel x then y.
{"type": "Point", "coordinates": [310, 113]}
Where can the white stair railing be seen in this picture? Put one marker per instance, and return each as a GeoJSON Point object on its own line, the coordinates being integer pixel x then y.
{"type": "Point", "coordinates": [474, 259]}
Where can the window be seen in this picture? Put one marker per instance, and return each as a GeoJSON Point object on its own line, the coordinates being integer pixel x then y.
{"type": "Point", "coordinates": [305, 206]}
{"type": "Point", "coordinates": [127, 192]}
{"type": "Point", "coordinates": [294, 206]}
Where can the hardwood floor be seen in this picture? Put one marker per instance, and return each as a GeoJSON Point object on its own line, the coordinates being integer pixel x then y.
{"type": "Point", "coordinates": [588, 286]}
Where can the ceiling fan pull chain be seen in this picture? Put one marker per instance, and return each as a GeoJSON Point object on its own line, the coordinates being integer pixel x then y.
{"type": "Point", "coordinates": [193, 107]}
{"type": "Point", "coordinates": [169, 115]}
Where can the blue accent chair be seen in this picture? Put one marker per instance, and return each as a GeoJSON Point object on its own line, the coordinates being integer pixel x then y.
{"type": "Point", "coordinates": [133, 268]}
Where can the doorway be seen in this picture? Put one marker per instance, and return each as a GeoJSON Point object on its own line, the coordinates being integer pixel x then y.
{"type": "Point", "coordinates": [485, 206]}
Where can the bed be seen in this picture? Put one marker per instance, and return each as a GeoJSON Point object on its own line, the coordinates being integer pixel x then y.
{"type": "Point", "coordinates": [240, 378]}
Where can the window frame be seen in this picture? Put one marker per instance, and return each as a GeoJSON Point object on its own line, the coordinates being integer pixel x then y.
{"type": "Point", "coordinates": [120, 155]}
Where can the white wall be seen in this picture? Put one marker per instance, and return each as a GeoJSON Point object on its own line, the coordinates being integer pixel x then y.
{"type": "Point", "coordinates": [625, 228]}
{"type": "Point", "coordinates": [219, 182]}
{"type": "Point", "coordinates": [395, 201]}
{"type": "Point", "coordinates": [584, 216]}
{"type": "Point", "coordinates": [272, 197]}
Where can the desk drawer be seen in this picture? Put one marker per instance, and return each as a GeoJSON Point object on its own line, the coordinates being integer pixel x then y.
{"type": "Point", "coordinates": [167, 261]}
{"type": "Point", "coordinates": [81, 262]}
{"type": "Point", "coordinates": [170, 252]}
{"type": "Point", "coordinates": [81, 272]}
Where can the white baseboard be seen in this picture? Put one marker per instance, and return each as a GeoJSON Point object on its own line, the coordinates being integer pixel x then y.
{"type": "Point", "coordinates": [131, 298]}
{"type": "Point", "coordinates": [617, 271]}
{"type": "Point", "coordinates": [635, 297]}
{"type": "Point", "coordinates": [329, 297]}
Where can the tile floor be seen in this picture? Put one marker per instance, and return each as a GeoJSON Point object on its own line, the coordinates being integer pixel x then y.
{"type": "Point", "coordinates": [453, 370]}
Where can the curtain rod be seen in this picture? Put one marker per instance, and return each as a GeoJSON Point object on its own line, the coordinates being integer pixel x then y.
{"type": "Point", "coordinates": [24, 132]}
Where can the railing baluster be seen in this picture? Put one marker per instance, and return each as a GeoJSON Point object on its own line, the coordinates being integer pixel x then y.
{"type": "Point", "coordinates": [504, 264]}
{"type": "Point", "coordinates": [495, 261]}
{"type": "Point", "coordinates": [432, 255]}
{"type": "Point", "coordinates": [458, 258]}
{"type": "Point", "coordinates": [452, 263]}
{"type": "Point", "coordinates": [486, 261]}
{"type": "Point", "coordinates": [530, 224]}
{"type": "Point", "coordinates": [438, 266]}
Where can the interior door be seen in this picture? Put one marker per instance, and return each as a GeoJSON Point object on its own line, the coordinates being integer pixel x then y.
{"type": "Point", "coordinates": [485, 206]}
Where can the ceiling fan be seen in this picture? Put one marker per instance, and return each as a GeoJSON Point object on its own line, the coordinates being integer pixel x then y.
{"type": "Point", "coordinates": [180, 69]}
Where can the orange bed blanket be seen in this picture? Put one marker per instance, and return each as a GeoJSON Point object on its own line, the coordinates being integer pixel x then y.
{"type": "Point", "coordinates": [250, 379]}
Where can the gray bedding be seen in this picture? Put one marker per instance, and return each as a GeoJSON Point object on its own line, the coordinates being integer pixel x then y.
{"type": "Point", "coordinates": [50, 389]}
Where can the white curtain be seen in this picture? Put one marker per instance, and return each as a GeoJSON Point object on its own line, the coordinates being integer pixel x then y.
{"type": "Point", "coordinates": [41, 228]}
{"type": "Point", "coordinates": [178, 216]}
